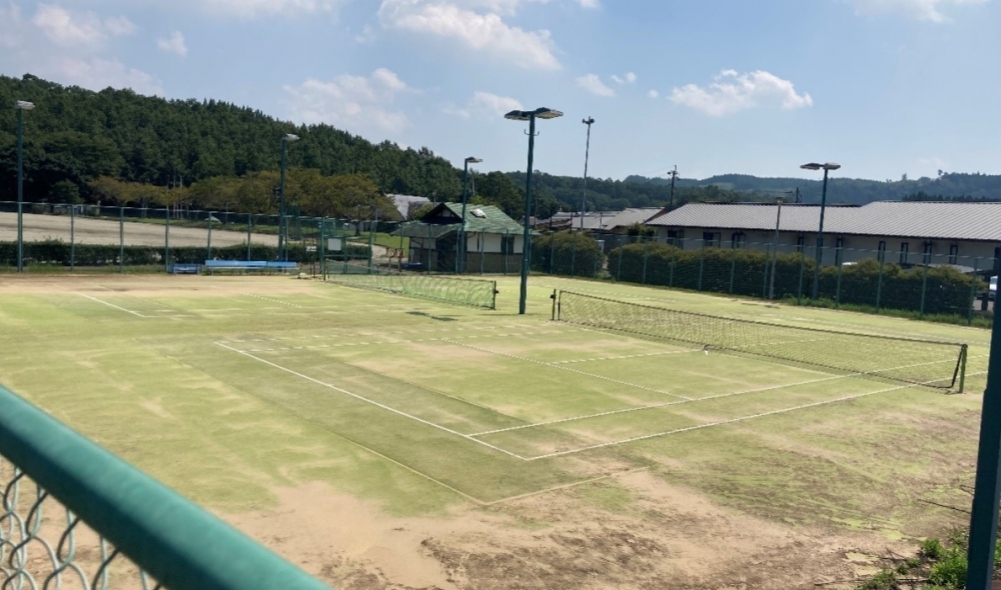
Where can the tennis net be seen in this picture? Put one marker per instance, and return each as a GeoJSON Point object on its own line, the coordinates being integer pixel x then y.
{"type": "Point", "coordinates": [925, 362]}
{"type": "Point", "coordinates": [472, 292]}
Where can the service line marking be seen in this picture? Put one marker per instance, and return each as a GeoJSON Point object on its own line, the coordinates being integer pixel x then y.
{"type": "Point", "coordinates": [564, 368]}
{"type": "Point", "coordinates": [135, 313]}
{"type": "Point", "coordinates": [373, 402]}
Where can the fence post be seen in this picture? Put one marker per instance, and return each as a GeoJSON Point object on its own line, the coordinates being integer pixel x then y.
{"type": "Point", "coordinates": [483, 245]}
{"type": "Point", "coordinates": [879, 285]}
{"type": "Point", "coordinates": [802, 268]}
{"type": "Point", "coordinates": [552, 246]}
{"type": "Point", "coordinates": [250, 225]}
{"type": "Point", "coordinates": [646, 253]}
{"type": "Point", "coordinates": [768, 263]}
{"type": "Point", "coordinates": [837, 291]}
{"type": "Point", "coordinates": [504, 250]}
{"type": "Point", "coordinates": [973, 291]}
{"type": "Point", "coordinates": [702, 263]}
{"type": "Point", "coordinates": [166, 239]}
{"type": "Point", "coordinates": [670, 279]}
{"type": "Point", "coordinates": [573, 256]}
{"type": "Point", "coordinates": [733, 268]}
{"type": "Point", "coordinates": [208, 251]}
{"type": "Point", "coordinates": [121, 240]}
{"type": "Point", "coordinates": [924, 288]}
{"type": "Point", "coordinates": [371, 240]}
{"type": "Point", "coordinates": [320, 252]}
{"type": "Point", "coordinates": [72, 237]}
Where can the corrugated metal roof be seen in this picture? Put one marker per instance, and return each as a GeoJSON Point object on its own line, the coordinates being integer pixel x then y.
{"type": "Point", "coordinates": [956, 221]}
{"type": "Point", "coordinates": [631, 216]}
{"type": "Point", "coordinates": [494, 221]}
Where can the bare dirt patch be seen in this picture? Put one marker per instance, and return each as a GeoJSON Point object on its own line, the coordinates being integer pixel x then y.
{"type": "Point", "coordinates": [666, 537]}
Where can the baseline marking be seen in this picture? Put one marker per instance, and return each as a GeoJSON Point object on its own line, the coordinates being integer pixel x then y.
{"type": "Point", "coordinates": [365, 399]}
{"type": "Point", "coordinates": [135, 313]}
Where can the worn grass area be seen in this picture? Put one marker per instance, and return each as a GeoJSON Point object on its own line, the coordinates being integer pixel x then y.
{"type": "Point", "coordinates": [227, 388]}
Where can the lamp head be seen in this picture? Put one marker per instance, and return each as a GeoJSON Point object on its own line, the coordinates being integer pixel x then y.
{"type": "Point", "coordinates": [472, 160]}
{"type": "Point", "coordinates": [540, 113]}
{"type": "Point", "coordinates": [816, 166]}
{"type": "Point", "coordinates": [23, 105]}
{"type": "Point", "coordinates": [588, 121]}
{"type": "Point", "coordinates": [290, 137]}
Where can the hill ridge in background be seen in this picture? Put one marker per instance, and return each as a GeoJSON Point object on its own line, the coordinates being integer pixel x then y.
{"type": "Point", "coordinates": [75, 136]}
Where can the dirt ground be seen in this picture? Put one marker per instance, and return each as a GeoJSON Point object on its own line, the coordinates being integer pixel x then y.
{"type": "Point", "coordinates": [103, 231]}
{"type": "Point", "coordinates": [671, 538]}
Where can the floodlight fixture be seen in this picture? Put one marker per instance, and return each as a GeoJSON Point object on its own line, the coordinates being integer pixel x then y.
{"type": "Point", "coordinates": [539, 113]}
{"type": "Point", "coordinates": [23, 105]}
{"type": "Point", "coordinates": [290, 137]}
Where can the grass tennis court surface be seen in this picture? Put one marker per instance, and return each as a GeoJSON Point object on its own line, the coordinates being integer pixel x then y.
{"type": "Point", "coordinates": [496, 434]}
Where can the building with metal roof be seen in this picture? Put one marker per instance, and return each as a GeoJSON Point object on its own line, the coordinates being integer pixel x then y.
{"type": "Point", "coordinates": [493, 239]}
{"type": "Point", "coordinates": [908, 232]}
{"type": "Point", "coordinates": [630, 217]}
{"type": "Point", "coordinates": [407, 203]}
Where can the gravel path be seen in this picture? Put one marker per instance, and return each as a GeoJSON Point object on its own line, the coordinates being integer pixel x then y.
{"type": "Point", "coordinates": [103, 231]}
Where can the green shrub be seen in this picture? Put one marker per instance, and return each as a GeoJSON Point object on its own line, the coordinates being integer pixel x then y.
{"type": "Point", "coordinates": [932, 549]}
{"type": "Point", "coordinates": [567, 253]}
{"type": "Point", "coordinates": [950, 571]}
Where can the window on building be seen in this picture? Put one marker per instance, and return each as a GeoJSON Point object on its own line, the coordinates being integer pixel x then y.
{"type": "Point", "coordinates": [881, 255]}
{"type": "Point", "coordinates": [839, 248]}
{"type": "Point", "coordinates": [737, 240]}
{"type": "Point", "coordinates": [675, 237]}
{"type": "Point", "coordinates": [926, 259]}
{"type": "Point", "coordinates": [507, 245]}
{"type": "Point", "coordinates": [800, 244]}
{"type": "Point", "coordinates": [953, 253]}
{"type": "Point", "coordinates": [904, 250]}
{"type": "Point", "coordinates": [710, 239]}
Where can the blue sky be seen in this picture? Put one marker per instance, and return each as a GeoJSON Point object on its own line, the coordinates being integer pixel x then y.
{"type": "Point", "coordinates": [884, 87]}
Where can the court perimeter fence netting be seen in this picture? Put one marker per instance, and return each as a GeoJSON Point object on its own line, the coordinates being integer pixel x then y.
{"type": "Point", "coordinates": [471, 292]}
{"type": "Point", "coordinates": [60, 492]}
{"type": "Point", "coordinates": [924, 362]}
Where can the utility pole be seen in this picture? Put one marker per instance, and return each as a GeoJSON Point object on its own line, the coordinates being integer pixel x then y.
{"type": "Point", "coordinates": [674, 175]}
{"type": "Point", "coordinates": [587, 149]}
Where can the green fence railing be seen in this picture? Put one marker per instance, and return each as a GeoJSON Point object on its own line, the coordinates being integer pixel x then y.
{"type": "Point", "coordinates": [167, 537]}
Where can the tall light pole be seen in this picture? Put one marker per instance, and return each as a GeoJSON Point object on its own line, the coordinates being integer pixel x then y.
{"type": "Point", "coordinates": [775, 251]}
{"type": "Point", "coordinates": [20, 106]}
{"type": "Point", "coordinates": [820, 230]}
{"type": "Point", "coordinates": [461, 250]}
{"type": "Point", "coordinates": [587, 150]}
{"type": "Point", "coordinates": [530, 116]}
{"type": "Point", "coordinates": [282, 225]}
{"type": "Point", "coordinates": [674, 175]}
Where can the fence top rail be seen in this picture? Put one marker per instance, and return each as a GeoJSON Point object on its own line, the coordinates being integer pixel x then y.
{"type": "Point", "coordinates": [758, 323]}
{"type": "Point", "coordinates": [175, 541]}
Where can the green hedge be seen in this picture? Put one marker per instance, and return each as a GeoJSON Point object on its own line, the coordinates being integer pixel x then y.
{"type": "Point", "coordinates": [746, 272]}
{"type": "Point", "coordinates": [567, 253]}
{"type": "Point", "coordinates": [55, 252]}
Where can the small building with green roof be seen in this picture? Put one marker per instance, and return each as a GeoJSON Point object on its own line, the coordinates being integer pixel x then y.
{"type": "Point", "coordinates": [494, 241]}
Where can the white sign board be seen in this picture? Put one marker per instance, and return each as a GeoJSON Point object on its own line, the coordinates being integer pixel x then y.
{"type": "Point", "coordinates": [334, 244]}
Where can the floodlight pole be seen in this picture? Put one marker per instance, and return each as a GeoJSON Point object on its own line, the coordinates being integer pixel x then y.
{"type": "Point", "coordinates": [673, 174]}
{"type": "Point", "coordinates": [987, 489]}
{"type": "Point", "coordinates": [775, 250]}
{"type": "Point", "coordinates": [587, 150]}
{"type": "Point", "coordinates": [820, 238]}
{"type": "Point", "coordinates": [526, 235]}
{"type": "Point", "coordinates": [20, 106]}
{"type": "Point", "coordinates": [461, 250]}
{"type": "Point", "coordinates": [282, 226]}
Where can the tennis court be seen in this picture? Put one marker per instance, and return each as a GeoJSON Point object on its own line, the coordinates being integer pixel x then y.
{"type": "Point", "coordinates": [247, 383]}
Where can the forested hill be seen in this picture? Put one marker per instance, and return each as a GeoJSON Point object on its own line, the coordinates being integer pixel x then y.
{"type": "Point", "coordinates": [947, 186]}
{"type": "Point", "coordinates": [78, 135]}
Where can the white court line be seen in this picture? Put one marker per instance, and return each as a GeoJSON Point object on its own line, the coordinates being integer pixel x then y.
{"type": "Point", "coordinates": [372, 343]}
{"type": "Point", "coordinates": [562, 368]}
{"type": "Point", "coordinates": [136, 313]}
{"type": "Point", "coordinates": [719, 423]}
{"type": "Point", "coordinates": [274, 300]}
{"type": "Point", "coordinates": [628, 356]}
{"type": "Point", "coordinates": [365, 399]}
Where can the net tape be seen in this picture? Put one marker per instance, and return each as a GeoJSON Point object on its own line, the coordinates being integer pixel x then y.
{"type": "Point", "coordinates": [926, 362]}
{"type": "Point", "coordinates": [471, 292]}
{"type": "Point", "coordinates": [45, 545]}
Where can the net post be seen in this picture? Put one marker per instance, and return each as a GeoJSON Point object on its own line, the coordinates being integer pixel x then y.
{"type": "Point", "coordinates": [963, 354]}
{"type": "Point", "coordinates": [553, 297]}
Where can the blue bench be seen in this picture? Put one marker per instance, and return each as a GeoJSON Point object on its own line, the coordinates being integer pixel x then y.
{"type": "Point", "coordinates": [185, 269]}
{"type": "Point", "coordinates": [262, 266]}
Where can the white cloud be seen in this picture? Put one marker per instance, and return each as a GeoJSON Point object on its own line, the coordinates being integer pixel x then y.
{"type": "Point", "coordinates": [928, 10]}
{"type": "Point", "coordinates": [653, 94]}
{"type": "Point", "coordinates": [352, 102]}
{"type": "Point", "coordinates": [485, 105]}
{"type": "Point", "coordinates": [479, 31]}
{"type": "Point", "coordinates": [590, 4]}
{"type": "Point", "coordinates": [628, 78]}
{"type": "Point", "coordinates": [69, 47]}
{"type": "Point", "coordinates": [68, 29]}
{"type": "Point", "coordinates": [173, 44]}
{"type": "Point", "coordinates": [593, 84]}
{"type": "Point", "coordinates": [263, 8]}
{"type": "Point", "coordinates": [731, 92]}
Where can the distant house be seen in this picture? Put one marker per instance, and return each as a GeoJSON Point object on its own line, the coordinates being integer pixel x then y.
{"type": "Point", "coordinates": [905, 232]}
{"type": "Point", "coordinates": [494, 241]}
{"type": "Point", "coordinates": [621, 223]}
{"type": "Point", "coordinates": [405, 204]}
{"type": "Point", "coordinates": [590, 221]}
